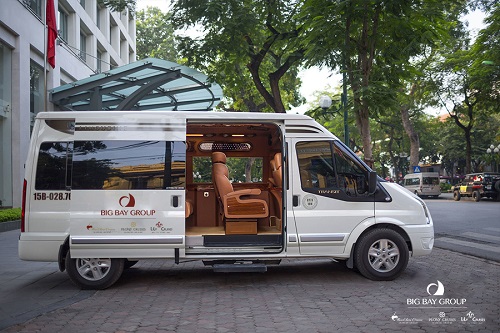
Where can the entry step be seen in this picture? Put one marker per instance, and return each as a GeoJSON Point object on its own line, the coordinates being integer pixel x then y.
{"type": "Point", "coordinates": [237, 268]}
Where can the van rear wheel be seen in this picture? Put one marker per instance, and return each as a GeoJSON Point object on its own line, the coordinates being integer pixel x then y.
{"type": "Point", "coordinates": [94, 273]}
{"type": "Point", "coordinates": [381, 254]}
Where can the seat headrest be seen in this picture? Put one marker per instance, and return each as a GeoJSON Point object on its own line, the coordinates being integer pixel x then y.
{"type": "Point", "coordinates": [277, 159]}
{"type": "Point", "coordinates": [218, 157]}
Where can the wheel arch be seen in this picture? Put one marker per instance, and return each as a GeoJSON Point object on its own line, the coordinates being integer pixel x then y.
{"type": "Point", "coordinates": [367, 226]}
{"type": "Point", "coordinates": [61, 258]}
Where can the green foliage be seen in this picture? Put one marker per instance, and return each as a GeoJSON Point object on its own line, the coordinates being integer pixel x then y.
{"type": "Point", "coordinates": [155, 35]}
{"type": "Point", "coordinates": [445, 187]}
{"type": "Point", "coordinates": [119, 5]}
{"type": "Point", "coordinates": [10, 214]}
{"type": "Point", "coordinates": [248, 47]}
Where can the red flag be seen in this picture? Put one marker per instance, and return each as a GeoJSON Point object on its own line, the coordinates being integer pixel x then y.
{"type": "Point", "coordinates": [52, 33]}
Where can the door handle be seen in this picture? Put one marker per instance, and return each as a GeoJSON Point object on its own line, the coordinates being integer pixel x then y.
{"type": "Point", "coordinates": [175, 201]}
{"type": "Point", "coordinates": [295, 201]}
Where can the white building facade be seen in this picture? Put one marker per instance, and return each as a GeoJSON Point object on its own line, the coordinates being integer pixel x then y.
{"type": "Point", "coordinates": [91, 39]}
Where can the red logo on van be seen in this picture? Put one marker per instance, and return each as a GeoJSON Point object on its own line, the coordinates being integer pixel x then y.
{"type": "Point", "coordinates": [127, 201]}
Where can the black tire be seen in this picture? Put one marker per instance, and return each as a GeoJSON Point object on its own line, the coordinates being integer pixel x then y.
{"type": "Point", "coordinates": [456, 195]}
{"type": "Point", "coordinates": [381, 254]}
{"type": "Point", "coordinates": [497, 186]}
{"type": "Point", "coordinates": [476, 196]}
{"type": "Point", "coordinates": [129, 263]}
{"type": "Point", "coordinates": [111, 270]}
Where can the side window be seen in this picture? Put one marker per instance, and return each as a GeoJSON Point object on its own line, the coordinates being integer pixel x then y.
{"type": "Point", "coordinates": [327, 168]}
{"type": "Point", "coordinates": [352, 176]}
{"type": "Point", "coordinates": [51, 170]}
{"type": "Point", "coordinates": [127, 164]}
{"type": "Point", "coordinates": [241, 169]}
{"type": "Point", "coordinates": [316, 165]}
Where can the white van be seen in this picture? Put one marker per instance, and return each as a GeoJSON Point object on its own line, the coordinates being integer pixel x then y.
{"type": "Point", "coordinates": [423, 184]}
{"type": "Point", "coordinates": [236, 190]}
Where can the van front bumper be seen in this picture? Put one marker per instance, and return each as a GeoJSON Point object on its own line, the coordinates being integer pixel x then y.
{"type": "Point", "coordinates": [421, 238]}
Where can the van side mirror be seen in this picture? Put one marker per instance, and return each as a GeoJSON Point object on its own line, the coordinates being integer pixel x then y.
{"type": "Point", "coordinates": [372, 182]}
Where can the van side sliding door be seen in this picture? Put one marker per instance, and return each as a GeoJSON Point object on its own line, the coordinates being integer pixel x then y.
{"type": "Point", "coordinates": [128, 188]}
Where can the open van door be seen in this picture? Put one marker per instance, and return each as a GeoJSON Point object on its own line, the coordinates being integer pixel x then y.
{"type": "Point", "coordinates": [128, 187]}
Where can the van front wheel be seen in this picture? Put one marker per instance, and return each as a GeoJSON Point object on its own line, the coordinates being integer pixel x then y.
{"type": "Point", "coordinates": [381, 255]}
{"type": "Point", "coordinates": [94, 273]}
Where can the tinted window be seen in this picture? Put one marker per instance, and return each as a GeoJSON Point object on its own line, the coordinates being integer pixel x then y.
{"type": "Point", "coordinates": [316, 165]}
{"type": "Point", "coordinates": [51, 171]}
{"type": "Point", "coordinates": [431, 181]}
{"type": "Point", "coordinates": [326, 165]}
{"type": "Point", "coordinates": [241, 169]}
{"type": "Point", "coordinates": [412, 181]}
{"type": "Point", "coordinates": [127, 164]}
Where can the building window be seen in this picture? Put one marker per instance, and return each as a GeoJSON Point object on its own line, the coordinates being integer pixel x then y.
{"type": "Point", "coordinates": [37, 91]}
{"type": "Point", "coordinates": [99, 61]}
{"type": "Point", "coordinates": [98, 16]}
{"type": "Point", "coordinates": [63, 24]}
{"type": "Point", "coordinates": [82, 3]}
{"type": "Point", "coordinates": [36, 7]}
{"type": "Point", "coordinates": [83, 47]}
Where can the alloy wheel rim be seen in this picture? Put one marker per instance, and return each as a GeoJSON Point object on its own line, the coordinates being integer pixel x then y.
{"type": "Point", "coordinates": [383, 255]}
{"type": "Point", "coordinates": [93, 269]}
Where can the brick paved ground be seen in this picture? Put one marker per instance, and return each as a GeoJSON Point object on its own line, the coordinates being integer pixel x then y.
{"type": "Point", "coordinates": [297, 296]}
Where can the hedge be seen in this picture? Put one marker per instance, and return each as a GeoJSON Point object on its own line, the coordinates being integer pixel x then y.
{"type": "Point", "coordinates": [10, 214]}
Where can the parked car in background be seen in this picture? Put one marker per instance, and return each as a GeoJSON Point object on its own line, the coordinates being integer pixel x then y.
{"type": "Point", "coordinates": [478, 185]}
{"type": "Point", "coordinates": [423, 184]}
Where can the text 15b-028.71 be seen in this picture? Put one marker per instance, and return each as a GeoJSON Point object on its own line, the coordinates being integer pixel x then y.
{"type": "Point", "coordinates": [52, 196]}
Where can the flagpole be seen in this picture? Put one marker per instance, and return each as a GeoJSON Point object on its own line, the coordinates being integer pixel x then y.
{"type": "Point", "coordinates": [45, 57]}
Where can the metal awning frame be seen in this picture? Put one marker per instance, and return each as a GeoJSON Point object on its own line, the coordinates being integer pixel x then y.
{"type": "Point", "coordinates": [147, 84]}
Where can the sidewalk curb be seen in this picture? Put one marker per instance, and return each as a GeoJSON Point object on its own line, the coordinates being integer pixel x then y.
{"type": "Point", "coordinates": [8, 226]}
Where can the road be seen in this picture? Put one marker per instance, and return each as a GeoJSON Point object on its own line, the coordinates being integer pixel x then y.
{"type": "Point", "coordinates": [466, 226]}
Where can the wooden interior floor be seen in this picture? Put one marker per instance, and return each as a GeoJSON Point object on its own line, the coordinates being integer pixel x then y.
{"type": "Point", "coordinates": [196, 231]}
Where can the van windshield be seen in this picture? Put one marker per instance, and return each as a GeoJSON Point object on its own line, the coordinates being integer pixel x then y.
{"type": "Point", "coordinates": [431, 181]}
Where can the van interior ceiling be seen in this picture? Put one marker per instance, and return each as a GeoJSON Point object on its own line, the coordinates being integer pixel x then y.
{"type": "Point", "coordinates": [233, 186]}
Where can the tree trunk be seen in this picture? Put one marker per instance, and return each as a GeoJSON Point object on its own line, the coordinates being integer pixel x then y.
{"type": "Point", "coordinates": [363, 121]}
{"type": "Point", "coordinates": [413, 136]}
{"type": "Point", "coordinates": [468, 150]}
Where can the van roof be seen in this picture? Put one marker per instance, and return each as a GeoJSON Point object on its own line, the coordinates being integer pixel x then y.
{"type": "Point", "coordinates": [193, 115]}
{"type": "Point", "coordinates": [295, 123]}
{"type": "Point", "coordinates": [426, 174]}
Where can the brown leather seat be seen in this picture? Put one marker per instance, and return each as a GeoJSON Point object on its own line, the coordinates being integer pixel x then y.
{"type": "Point", "coordinates": [277, 174]}
{"type": "Point", "coordinates": [189, 208]}
{"type": "Point", "coordinates": [277, 181]}
{"type": "Point", "coordinates": [236, 204]}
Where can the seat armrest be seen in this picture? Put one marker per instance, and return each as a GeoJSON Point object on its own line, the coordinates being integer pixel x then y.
{"type": "Point", "coordinates": [247, 191]}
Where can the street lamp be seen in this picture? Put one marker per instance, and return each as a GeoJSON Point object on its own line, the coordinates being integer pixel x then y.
{"type": "Point", "coordinates": [493, 150]}
{"type": "Point", "coordinates": [325, 102]}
